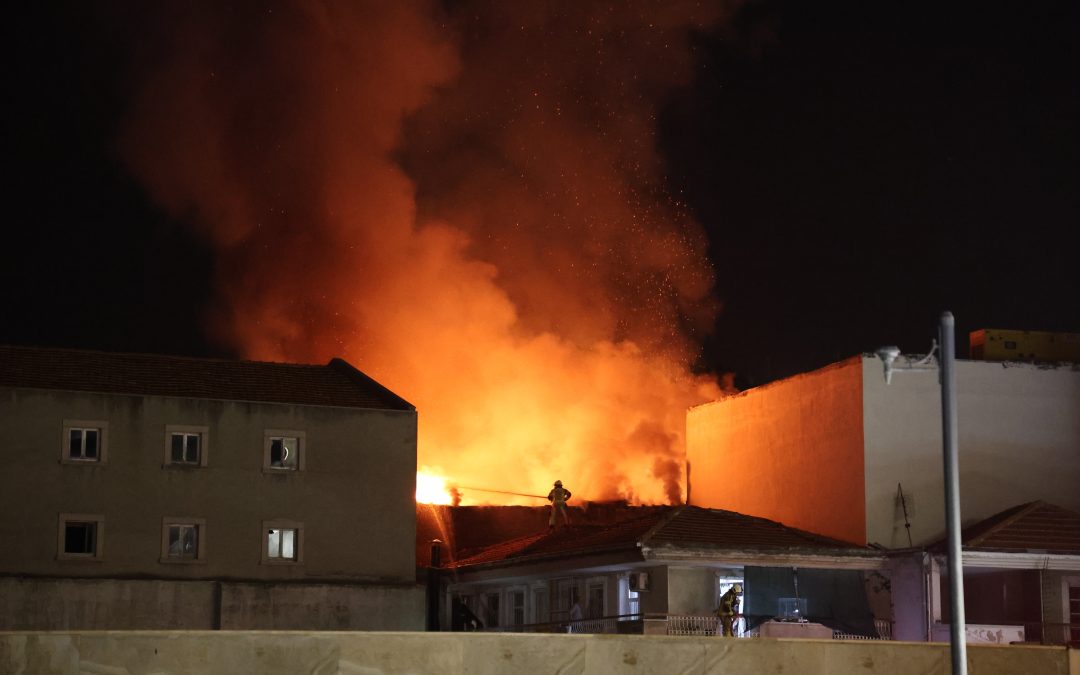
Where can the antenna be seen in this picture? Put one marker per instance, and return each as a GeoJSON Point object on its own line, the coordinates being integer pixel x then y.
{"type": "Point", "coordinates": [903, 505]}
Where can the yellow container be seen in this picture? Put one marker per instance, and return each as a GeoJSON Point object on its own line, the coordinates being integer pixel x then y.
{"type": "Point", "coordinates": [993, 344]}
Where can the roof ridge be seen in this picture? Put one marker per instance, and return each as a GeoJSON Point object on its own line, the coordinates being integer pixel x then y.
{"type": "Point", "coordinates": [1021, 511]}
{"type": "Point", "coordinates": [158, 355]}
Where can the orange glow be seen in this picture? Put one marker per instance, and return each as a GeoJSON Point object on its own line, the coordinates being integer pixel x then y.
{"type": "Point", "coordinates": [484, 230]}
{"type": "Point", "coordinates": [432, 488]}
{"type": "Point", "coordinates": [791, 451]}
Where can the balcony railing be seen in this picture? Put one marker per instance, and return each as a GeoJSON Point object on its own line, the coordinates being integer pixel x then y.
{"type": "Point", "coordinates": [672, 624]}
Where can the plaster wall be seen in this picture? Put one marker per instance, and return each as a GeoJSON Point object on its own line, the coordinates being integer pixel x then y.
{"type": "Point", "coordinates": [691, 590]}
{"type": "Point", "coordinates": [354, 495]}
{"type": "Point", "coordinates": [182, 653]}
{"type": "Point", "coordinates": [126, 604]}
{"type": "Point", "coordinates": [655, 600]}
{"type": "Point", "coordinates": [908, 586]}
{"type": "Point", "coordinates": [1019, 431]}
{"type": "Point", "coordinates": [791, 451]}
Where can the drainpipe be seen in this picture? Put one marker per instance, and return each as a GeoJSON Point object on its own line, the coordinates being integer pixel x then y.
{"type": "Point", "coordinates": [433, 586]}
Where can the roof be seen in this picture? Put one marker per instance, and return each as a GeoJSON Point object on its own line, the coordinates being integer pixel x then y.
{"type": "Point", "coordinates": [699, 527]}
{"type": "Point", "coordinates": [674, 527]}
{"type": "Point", "coordinates": [1032, 527]}
{"type": "Point", "coordinates": [335, 384]}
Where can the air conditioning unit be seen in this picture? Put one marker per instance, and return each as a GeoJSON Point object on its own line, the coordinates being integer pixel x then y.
{"type": "Point", "coordinates": [639, 581]}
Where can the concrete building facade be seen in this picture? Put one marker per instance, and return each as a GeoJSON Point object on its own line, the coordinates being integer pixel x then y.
{"type": "Point", "coordinates": [831, 451]}
{"type": "Point", "coordinates": [163, 492]}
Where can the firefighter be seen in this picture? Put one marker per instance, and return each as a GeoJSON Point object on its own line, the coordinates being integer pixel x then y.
{"type": "Point", "coordinates": [728, 610]}
{"type": "Point", "coordinates": [558, 497]}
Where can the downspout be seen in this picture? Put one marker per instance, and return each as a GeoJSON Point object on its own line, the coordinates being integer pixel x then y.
{"type": "Point", "coordinates": [928, 608]}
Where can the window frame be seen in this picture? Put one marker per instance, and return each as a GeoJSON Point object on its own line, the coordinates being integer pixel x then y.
{"type": "Point", "coordinates": [200, 546]}
{"type": "Point", "coordinates": [102, 428]}
{"type": "Point", "coordinates": [204, 445]}
{"type": "Point", "coordinates": [99, 536]}
{"type": "Point", "coordinates": [264, 542]}
{"type": "Point", "coordinates": [301, 439]}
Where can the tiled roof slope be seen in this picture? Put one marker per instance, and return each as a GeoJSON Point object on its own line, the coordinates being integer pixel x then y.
{"type": "Point", "coordinates": [695, 526]}
{"type": "Point", "coordinates": [686, 527]}
{"type": "Point", "coordinates": [566, 541]}
{"type": "Point", "coordinates": [335, 384]}
{"type": "Point", "coordinates": [1035, 526]}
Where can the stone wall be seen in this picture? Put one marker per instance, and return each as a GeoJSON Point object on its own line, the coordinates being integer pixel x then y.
{"type": "Point", "coordinates": [182, 653]}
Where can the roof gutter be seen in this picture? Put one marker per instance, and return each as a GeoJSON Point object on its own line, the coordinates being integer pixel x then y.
{"type": "Point", "coordinates": [868, 561]}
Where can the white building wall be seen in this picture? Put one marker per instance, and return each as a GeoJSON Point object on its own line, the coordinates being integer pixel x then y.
{"type": "Point", "coordinates": [1019, 428]}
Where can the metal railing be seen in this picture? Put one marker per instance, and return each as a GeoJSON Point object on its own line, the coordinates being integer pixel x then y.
{"type": "Point", "coordinates": [884, 630]}
{"type": "Point", "coordinates": [621, 623]}
{"type": "Point", "coordinates": [1049, 633]}
{"type": "Point", "coordinates": [676, 624]}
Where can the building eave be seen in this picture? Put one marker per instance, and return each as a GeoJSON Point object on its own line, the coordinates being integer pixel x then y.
{"type": "Point", "coordinates": [778, 558]}
{"type": "Point", "coordinates": [1019, 560]}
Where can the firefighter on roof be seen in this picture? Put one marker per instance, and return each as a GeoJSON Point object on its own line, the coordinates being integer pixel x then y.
{"type": "Point", "coordinates": [558, 497]}
{"type": "Point", "coordinates": [728, 610]}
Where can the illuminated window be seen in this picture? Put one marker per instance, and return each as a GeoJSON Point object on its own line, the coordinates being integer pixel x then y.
{"type": "Point", "coordinates": [283, 542]}
{"type": "Point", "coordinates": [283, 451]}
{"type": "Point", "coordinates": [186, 445]}
{"type": "Point", "coordinates": [80, 536]}
{"type": "Point", "coordinates": [84, 442]}
{"type": "Point", "coordinates": [183, 540]}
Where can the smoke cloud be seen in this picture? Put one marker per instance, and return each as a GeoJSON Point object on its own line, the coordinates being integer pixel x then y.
{"type": "Point", "coordinates": [466, 203]}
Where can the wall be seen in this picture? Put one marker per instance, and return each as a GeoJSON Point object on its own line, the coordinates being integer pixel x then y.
{"type": "Point", "coordinates": [182, 653]}
{"type": "Point", "coordinates": [908, 583]}
{"type": "Point", "coordinates": [691, 590]}
{"type": "Point", "coordinates": [115, 604]}
{"type": "Point", "coordinates": [791, 451]}
{"type": "Point", "coordinates": [354, 497]}
{"type": "Point", "coordinates": [1019, 429]}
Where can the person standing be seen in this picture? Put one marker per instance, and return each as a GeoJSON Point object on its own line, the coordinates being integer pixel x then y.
{"type": "Point", "coordinates": [558, 497]}
{"type": "Point", "coordinates": [728, 610]}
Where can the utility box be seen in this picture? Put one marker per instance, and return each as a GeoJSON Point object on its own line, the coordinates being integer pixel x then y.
{"type": "Point", "coordinates": [993, 344]}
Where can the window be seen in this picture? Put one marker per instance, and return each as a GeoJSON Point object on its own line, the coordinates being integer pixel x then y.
{"type": "Point", "coordinates": [83, 442]}
{"type": "Point", "coordinates": [186, 445]}
{"type": "Point", "coordinates": [539, 604]}
{"type": "Point", "coordinates": [516, 600]}
{"type": "Point", "coordinates": [283, 542]}
{"type": "Point", "coordinates": [283, 451]}
{"type": "Point", "coordinates": [80, 536]}
{"type": "Point", "coordinates": [490, 607]}
{"type": "Point", "coordinates": [183, 540]}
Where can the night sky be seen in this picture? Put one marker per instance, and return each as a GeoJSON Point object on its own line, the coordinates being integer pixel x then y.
{"type": "Point", "coordinates": [858, 168]}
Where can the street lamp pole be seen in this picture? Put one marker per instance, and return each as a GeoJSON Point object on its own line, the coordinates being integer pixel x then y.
{"type": "Point", "coordinates": [950, 438]}
{"type": "Point", "coordinates": [946, 342]}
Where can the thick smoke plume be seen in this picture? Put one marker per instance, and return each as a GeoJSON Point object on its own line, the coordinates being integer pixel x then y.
{"type": "Point", "coordinates": [468, 204]}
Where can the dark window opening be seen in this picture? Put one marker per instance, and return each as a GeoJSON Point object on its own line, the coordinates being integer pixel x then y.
{"type": "Point", "coordinates": [80, 538]}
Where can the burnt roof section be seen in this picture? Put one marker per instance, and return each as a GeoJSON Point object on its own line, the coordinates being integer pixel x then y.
{"type": "Point", "coordinates": [1031, 527]}
{"type": "Point", "coordinates": [336, 384]}
{"type": "Point", "coordinates": [676, 527]}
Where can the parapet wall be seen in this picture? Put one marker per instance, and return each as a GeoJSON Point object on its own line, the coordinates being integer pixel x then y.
{"type": "Point", "coordinates": [270, 653]}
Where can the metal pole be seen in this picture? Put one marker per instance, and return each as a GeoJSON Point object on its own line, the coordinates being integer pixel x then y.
{"type": "Point", "coordinates": [952, 493]}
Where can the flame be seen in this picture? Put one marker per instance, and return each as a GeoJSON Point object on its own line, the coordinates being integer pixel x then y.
{"type": "Point", "coordinates": [479, 220]}
{"type": "Point", "coordinates": [432, 488]}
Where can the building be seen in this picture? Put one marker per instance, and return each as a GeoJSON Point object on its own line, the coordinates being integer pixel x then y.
{"type": "Point", "coordinates": [145, 491]}
{"type": "Point", "coordinates": [1021, 580]}
{"type": "Point", "coordinates": [837, 451]}
{"type": "Point", "coordinates": [651, 570]}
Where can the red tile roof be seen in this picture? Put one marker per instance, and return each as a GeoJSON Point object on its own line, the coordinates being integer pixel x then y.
{"type": "Point", "coordinates": [727, 529]}
{"type": "Point", "coordinates": [1032, 527]}
{"type": "Point", "coordinates": [686, 527]}
{"type": "Point", "coordinates": [335, 384]}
